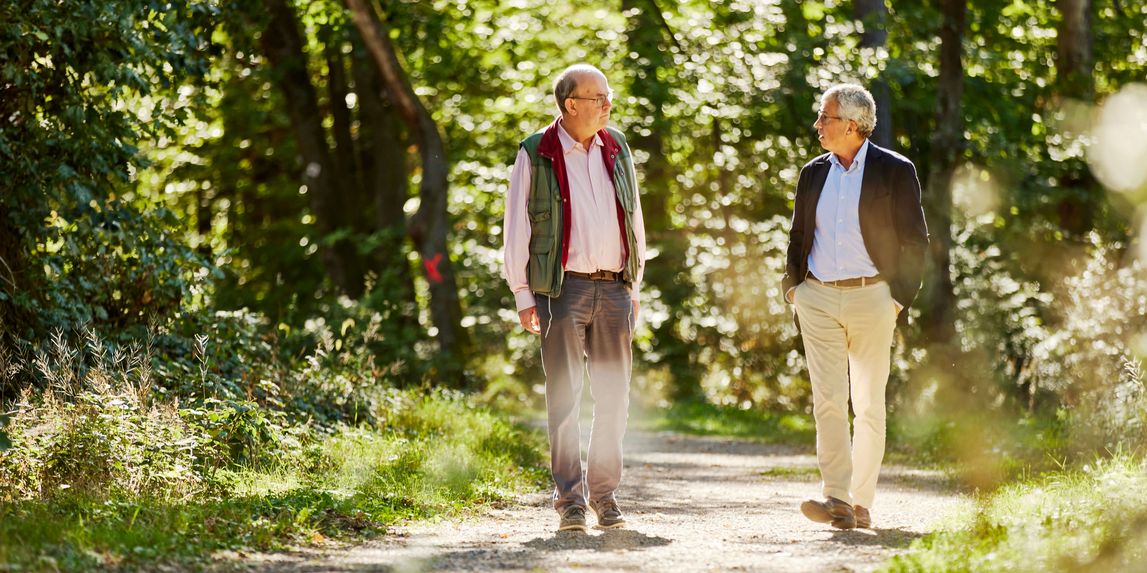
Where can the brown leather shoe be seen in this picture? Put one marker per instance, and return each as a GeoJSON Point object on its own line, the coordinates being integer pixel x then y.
{"type": "Point", "coordinates": [863, 518]}
{"type": "Point", "coordinates": [837, 512]}
{"type": "Point", "coordinates": [573, 519]}
{"type": "Point", "coordinates": [608, 514]}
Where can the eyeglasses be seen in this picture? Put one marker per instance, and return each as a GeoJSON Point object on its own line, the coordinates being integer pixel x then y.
{"type": "Point", "coordinates": [599, 100]}
{"type": "Point", "coordinates": [821, 117]}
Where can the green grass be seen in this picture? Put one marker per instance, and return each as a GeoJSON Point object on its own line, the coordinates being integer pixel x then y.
{"type": "Point", "coordinates": [808, 472]}
{"type": "Point", "coordinates": [710, 420]}
{"type": "Point", "coordinates": [436, 455]}
{"type": "Point", "coordinates": [1088, 519]}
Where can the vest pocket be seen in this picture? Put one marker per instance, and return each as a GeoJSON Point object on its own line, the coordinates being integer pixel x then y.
{"type": "Point", "coordinates": [545, 263]}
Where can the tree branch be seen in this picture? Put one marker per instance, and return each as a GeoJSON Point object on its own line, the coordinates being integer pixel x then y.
{"type": "Point", "coordinates": [665, 25]}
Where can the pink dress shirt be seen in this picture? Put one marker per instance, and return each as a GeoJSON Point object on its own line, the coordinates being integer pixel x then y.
{"type": "Point", "coordinates": [595, 239]}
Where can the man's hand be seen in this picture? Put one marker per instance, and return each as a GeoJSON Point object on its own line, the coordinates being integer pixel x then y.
{"type": "Point", "coordinates": [529, 318]}
{"type": "Point", "coordinates": [636, 309]}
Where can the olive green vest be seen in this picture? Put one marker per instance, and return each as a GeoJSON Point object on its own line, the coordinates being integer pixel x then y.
{"type": "Point", "coordinates": [545, 211]}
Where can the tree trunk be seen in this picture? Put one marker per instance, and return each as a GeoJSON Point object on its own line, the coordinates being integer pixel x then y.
{"type": "Point", "coordinates": [947, 149]}
{"type": "Point", "coordinates": [382, 153]}
{"type": "Point", "coordinates": [354, 199]}
{"type": "Point", "coordinates": [1074, 80]}
{"type": "Point", "coordinates": [873, 14]}
{"type": "Point", "coordinates": [429, 227]}
{"type": "Point", "coordinates": [649, 52]}
{"type": "Point", "coordinates": [1073, 64]}
{"type": "Point", "coordinates": [283, 44]}
{"type": "Point", "coordinates": [12, 323]}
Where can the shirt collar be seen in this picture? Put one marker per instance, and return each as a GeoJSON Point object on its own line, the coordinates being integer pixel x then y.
{"type": "Point", "coordinates": [857, 162]}
{"type": "Point", "coordinates": [568, 142]}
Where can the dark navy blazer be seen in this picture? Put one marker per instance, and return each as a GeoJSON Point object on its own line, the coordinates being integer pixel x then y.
{"type": "Point", "coordinates": [891, 222]}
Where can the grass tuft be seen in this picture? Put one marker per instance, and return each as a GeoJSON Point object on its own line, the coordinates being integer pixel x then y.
{"type": "Point", "coordinates": [1087, 519]}
{"type": "Point", "coordinates": [437, 455]}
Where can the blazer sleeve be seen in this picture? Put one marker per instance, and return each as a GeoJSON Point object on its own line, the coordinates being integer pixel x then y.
{"type": "Point", "coordinates": [796, 237]}
{"type": "Point", "coordinates": [912, 232]}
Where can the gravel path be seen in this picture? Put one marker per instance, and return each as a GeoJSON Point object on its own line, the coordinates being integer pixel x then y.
{"type": "Point", "coordinates": [692, 504]}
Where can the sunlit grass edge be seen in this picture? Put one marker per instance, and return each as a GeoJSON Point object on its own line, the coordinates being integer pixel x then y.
{"type": "Point", "coordinates": [437, 455]}
{"type": "Point", "coordinates": [1090, 518]}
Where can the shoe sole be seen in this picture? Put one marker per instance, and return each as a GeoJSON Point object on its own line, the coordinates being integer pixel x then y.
{"type": "Point", "coordinates": [580, 527]}
{"type": "Point", "coordinates": [610, 526]}
{"type": "Point", "coordinates": [816, 512]}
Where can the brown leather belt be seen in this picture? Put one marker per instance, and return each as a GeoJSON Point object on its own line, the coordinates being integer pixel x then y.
{"type": "Point", "coordinates": [596, 275]}
{"type": "Point", "coordinates": [857, 282]}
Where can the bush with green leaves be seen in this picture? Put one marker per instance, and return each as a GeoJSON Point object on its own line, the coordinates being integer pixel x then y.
{"type": "Point", "coordinates": [99, 434]}
{"type": "Point", "coordinates": [101, 429]}
{"type": "Point", "coordinates": [1091, 363]}
{"type": "Point", "coordinates": [73, 249]}
{"type": "Point", "coordinates": [1000, 312]}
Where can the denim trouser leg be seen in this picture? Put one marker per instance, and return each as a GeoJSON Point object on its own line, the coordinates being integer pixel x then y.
{"type": "Point", "coordinates": [590, 324]}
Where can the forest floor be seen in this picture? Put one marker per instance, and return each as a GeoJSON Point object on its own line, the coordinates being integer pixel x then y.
{"type": "Point", "coordinates": [691, 503]}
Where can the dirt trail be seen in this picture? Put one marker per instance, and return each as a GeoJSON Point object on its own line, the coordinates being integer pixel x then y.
{"type": "Point", "coordinates": [693, 504]}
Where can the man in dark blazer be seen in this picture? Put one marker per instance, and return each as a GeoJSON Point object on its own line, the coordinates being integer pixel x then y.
{"type": "Point", "coordinates": [855, 262]}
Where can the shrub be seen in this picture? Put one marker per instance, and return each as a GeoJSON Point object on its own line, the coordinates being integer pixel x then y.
{"type": "Point", "coordinates": [98, 434]}
{"type": "Point", "coordinates": [1089, 363]}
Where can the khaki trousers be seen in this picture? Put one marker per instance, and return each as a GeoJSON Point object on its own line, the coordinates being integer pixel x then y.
{"type": "Point", "coordinates": [847, 335]}
{"type": "Point", "coordinates": [588, 329]}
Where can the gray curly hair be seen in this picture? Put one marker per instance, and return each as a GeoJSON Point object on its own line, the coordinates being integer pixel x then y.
{"type": "Point", "coordinates": [855, 104]}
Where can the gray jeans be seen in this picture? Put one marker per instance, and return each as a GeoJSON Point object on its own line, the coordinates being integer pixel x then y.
{"type": "Point", "coordinates": [589, 327]}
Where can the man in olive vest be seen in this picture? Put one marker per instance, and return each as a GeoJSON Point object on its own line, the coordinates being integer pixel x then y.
{"type": "Point", "coordinates": [575, 253]}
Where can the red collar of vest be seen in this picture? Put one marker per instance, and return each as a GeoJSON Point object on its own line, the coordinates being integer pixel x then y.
{"type": "Point", "coordinates": [551, 145]}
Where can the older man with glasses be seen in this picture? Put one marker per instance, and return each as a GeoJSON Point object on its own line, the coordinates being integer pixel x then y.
{"type": "Point", "coordinates": [856, 251]}
{"type": "Point", "coordinates": [575, 254]}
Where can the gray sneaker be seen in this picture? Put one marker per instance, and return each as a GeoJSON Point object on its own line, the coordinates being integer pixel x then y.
{"type": "Point", "coordinates": [573, 519]}
{"type": "Point", "coordinates": [837, 512]}
{"type": "Point", "coordinates": [608, 514]}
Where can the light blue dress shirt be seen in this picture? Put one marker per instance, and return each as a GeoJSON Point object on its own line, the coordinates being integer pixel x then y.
{"type": "Point", "coordinates": [837, 246]}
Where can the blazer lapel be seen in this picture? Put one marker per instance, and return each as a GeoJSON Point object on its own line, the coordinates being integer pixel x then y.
{"type": "Point", "coordinates": [819, 176]}
{"type": "Point", "coordinates": [873, 175]}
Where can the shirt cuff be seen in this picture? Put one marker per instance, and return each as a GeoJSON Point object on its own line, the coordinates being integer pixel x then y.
{"type": "Point", "coordinates": [524, 299]}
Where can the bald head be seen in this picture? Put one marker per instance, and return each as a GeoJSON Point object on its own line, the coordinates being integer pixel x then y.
{"type": "Point", "coordinates": [567, 82]}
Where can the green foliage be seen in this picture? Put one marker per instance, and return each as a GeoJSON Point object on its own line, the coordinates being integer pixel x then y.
{"type": "Point", "coordinates": [100, 435]}
{"type": "Point", "coordinates": [1090, 363]}
{"type": "Point", "coordinates": [437, 454]}
{"type": "Point", "coordinates": [1002, 315]}
{"type": "Point", "coordinates": [72, 250]}
{"type": "Point", "coordinates": [84, 534]}
{"type": "Point", "coordinates": [68, 68]}
{"type": "Point", "coordinates": [1088, 519]}
{"type": "Point", "coordinates": [108, 265]}
{"type": "Point", "coordinates": [708, 420]}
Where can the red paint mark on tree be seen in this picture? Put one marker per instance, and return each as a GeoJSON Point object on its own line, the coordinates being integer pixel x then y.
{"type": "Point", "coordinates": [432, 268]}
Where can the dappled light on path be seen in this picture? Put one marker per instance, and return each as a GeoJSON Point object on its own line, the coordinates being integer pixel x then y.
{"type": "Point", "coordinates": [692, 504]}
